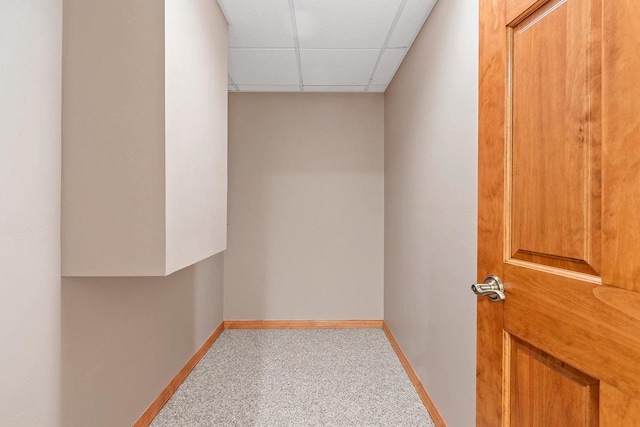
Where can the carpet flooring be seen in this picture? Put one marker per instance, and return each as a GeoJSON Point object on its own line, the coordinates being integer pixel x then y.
{"type": "Point", "coordinates": [330, 377]}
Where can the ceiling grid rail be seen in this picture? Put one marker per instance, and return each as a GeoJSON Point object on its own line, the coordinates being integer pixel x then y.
{"type": "Point", "coordinates": [296, 43]}
{"type": "Point", "coordinates": [386, 42]}
{"type": "Point", "coordinates": [235, 86]}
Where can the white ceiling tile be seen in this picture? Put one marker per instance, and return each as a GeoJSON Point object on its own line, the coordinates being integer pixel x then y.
{"type": "Point", "coordinates": [344, 24]}
{"type": "Point", "coordinates": [339, 41]}
{"type": "Point", "coordinates": [334, 88]}
{"type": "Point", "coordinates": [259, 23]}
{"type": "Point", "coordinates": [389, 63]}
{"type": "Point", "coordinates": [263, 67]}
{"type": "Point", "coordinates": [337, 67]}
{"type": "Point", "coordinates": [413, 17]}
{"type": "Point", "coordinates": [377, 88]}
{"type": "Point", "coordinates": [269, 88]}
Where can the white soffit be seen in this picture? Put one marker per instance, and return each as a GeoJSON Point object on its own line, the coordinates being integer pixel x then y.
{"type": "Point", "coordinates": [319, 45]}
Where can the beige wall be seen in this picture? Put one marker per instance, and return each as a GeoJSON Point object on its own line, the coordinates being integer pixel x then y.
{"type": "Point", "coordinates": [430, 207]}
{"type": "Point", "coordinates": [113, 194]}
{"type": "Point", "coordinates": [305, 207]}
{"type": "Point", "coordinates": [196, 131]}
{"type": "Point", "coordinates": [125, 338]}
{"type": "Point", "coordinates": [30, 81]}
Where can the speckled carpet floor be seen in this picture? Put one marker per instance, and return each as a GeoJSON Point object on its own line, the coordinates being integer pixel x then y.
{"type": "Point", "coordinates": [331, 377]}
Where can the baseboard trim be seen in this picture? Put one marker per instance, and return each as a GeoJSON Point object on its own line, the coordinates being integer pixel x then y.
{"type": "Point", "coordinates": [164, 396]}
{"type": "Point", "coordinates": [422, 392]}
{"type": "Point", "coordinates": [303, 324]}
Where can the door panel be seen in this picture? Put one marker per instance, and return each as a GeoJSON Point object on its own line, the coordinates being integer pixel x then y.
{"type": "Point", "coordinates": [621, 175]}
{"type": "Point", "coordinates": [553, 139]}
{"type": "Point", "coordinates": [546, 392]}
{"type": "Point", "coordinates": [581, 324]}
{"type": "Point", "coordinates": [559, 221]}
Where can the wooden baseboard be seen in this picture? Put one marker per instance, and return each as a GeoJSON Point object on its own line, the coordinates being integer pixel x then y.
{"type": "Point", "coordinates": [422, 392]}
{"type": "Point", "coordinates": [303, 324]}
{"type": "Point", "coordinates": [155, 407]}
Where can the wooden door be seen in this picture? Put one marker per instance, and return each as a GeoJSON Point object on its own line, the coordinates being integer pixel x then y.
{"type": "Point", "coordinates": [559, 213]}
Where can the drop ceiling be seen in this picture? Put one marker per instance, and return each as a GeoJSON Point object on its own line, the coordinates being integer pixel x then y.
{"type": "Point", "coordinates": [319, 45]}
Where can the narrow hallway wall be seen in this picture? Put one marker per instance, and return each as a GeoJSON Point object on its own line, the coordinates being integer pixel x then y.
{"type": "Point", "coordinates": [305, 206]}
{"type": "Point", "coordinates": [30, 91]}
{"type": "Point", "coordinates": [431, 207]}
